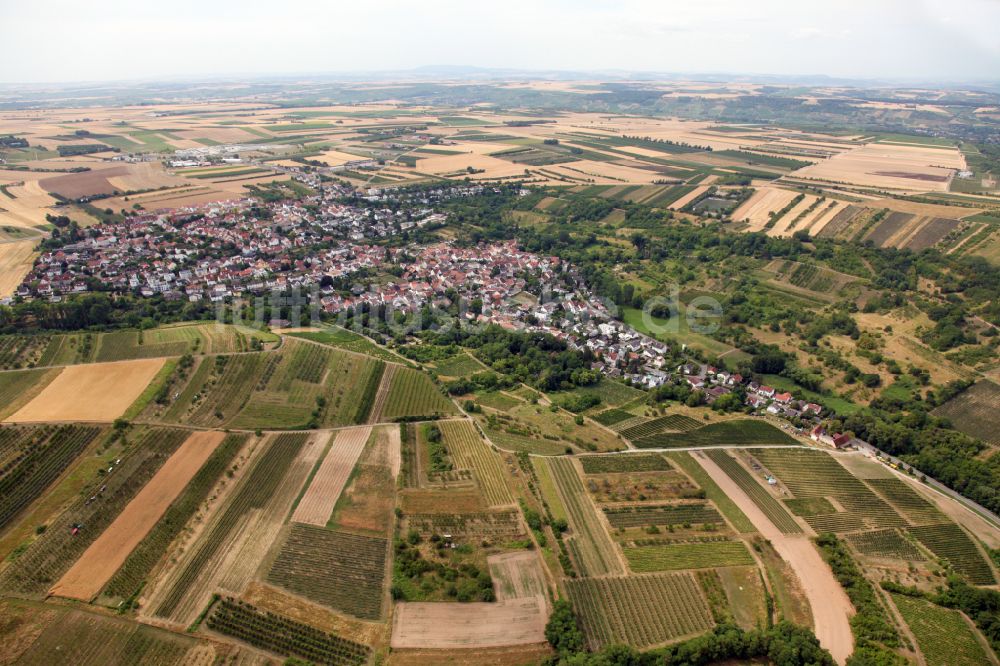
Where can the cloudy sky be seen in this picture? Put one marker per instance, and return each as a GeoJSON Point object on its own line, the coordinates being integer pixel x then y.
{"type": "Point", "coordinates": [89, 40]}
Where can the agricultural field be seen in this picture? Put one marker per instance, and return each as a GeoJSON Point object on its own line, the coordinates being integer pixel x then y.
{"type": "Point", "coordinates": [469, 451]}
{"type": "Point", "coordinates": [285, 636]}
{"type": "Point", "coordinates": [950, 542]}
{"type": "Point", "coordinates": [413, 394]}
{"type": "Point", "coordinates": [726, 506]}
{"type": "Point", "coordinates": [137, 567]}
{"type": "Point", "coordinates": [302, 385]}
{"type": "Point", "coordinates": [615, 464]}
{"type": "Point", "coordinates": [44, 634]}
{"type": "Point", "coordinates": [593, 550]}
{"type": "Point", "coordinates": [817, 474]}
{"type": "Point", "coordinates": [760, 496]}
{"type": "Point", "coordinates": [343, 571]}
{"type": "Point", "coordinates": [740, 432]}
{"type": "Point", "coordinates": [645, 515]}
{"type": "Point", "coordinates": [974, 410]}
{"type": "Point", "coordinates": [544, 430]}
{"type": "Point", "coordinates": [943, 635]}
{"type": "Point", "coordinates": [226, 553]}
{"type": "Point", "coordinates": [18, 388]}
{"type": "Point", "coordinates": [887, 543]}
{"type": "Point", "coordinates": [670, 422]}
{"type": "Point", "coordinates": [69, 535]}
{"type": "Point", "coordinates": [109, 551]}
{"type": "Point", "coordinates": [120, 383]}
{"type": "Point", "coordinates": [460, 365]}
{"type": "Point", "coordinates": [32, 458]}
{"type": "Point", "coordinates": [639, 610]}
{"type": "Point", "coordinates": [328, 481]}
{"type": "Point", "coordinates": [670, 556]}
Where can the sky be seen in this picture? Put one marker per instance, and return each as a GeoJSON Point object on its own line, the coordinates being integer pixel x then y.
{"type": "Point", "coordinates": [107, 40]}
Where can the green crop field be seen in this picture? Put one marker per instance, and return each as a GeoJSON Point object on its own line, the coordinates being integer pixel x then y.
{"type": "Point", "coordinates": [134, 572]}
{"type": "Point", "coordinates": [639, 611]}
{"type": "Point", "coordinates": [339, 337]}
{"type": "Point", "coordinates": [949, 541]}
{"type": "Point", "coordinates": [898, 493]}
{"type": "Point", "coordinates": [612, 416]}
{"type": "Point", "coordinates": [596, 552]}
{"type": "Point", "coordinates": [177, 340]}
{"type": "Point", "coordinates": [32, 458]}
{"type": "Point", "coordinates": [727, 506]}
{"type": "Point", "coordinates": [886, 543]}
{"type": "Point", "coordinates": [460, 365]}
{"type": "Point", "coordinates": [670, 422]}
{"type": "Point", "coordinates": [643, 515]}
{"type": "Point", "coordinates": [944, 638]}
{"type": "Point", "coordinates": [413, 394]}
{"type": "Point", "coordinates": [497, 400]}
{"type": "Point", "coordinates": [469, 451]}
{"type": "Point", "coordinates": [625, 462]}
{"type": "Point", "coordinates": [343, 571]}
{"type": "Point", "coordinates": [687, 555]}
{"type": "Point", "coordinates": [16, 386]}
{"type": "Point", "coordinates": [974, 410]}
{"type": "Point", "coordinates": [810, 473]}
{"type": "Point", "coordinates": [52, 554]}
{"type": "Point", "coordinates": [22, 351]}
{"type": "Point", "coordinates": [761, 497]}
{"type": "Point", "coordinates": [741, 432]}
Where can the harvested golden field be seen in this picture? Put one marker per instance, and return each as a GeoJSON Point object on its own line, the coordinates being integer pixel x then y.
{"type": "Point", "coordinates": [891, 167]}
{"type": "Point", "coordinates": [756, 210]}
{"type": "Point", "coordinates": [27, 204]}
{"type": "Point", "coordinates": [105, 555]}
{"type": "Point", "coordinates": [688, 198]}
{"type": "Point", "coordinates": [788, 223]}
{"type": "Point", "coordinates": [95, 392]}
{"type": "Point", "coordinates": [16, 260]}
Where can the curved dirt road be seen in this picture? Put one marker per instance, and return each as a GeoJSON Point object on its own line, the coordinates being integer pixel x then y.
{"type": "Point", "coordinates": [831, 608]}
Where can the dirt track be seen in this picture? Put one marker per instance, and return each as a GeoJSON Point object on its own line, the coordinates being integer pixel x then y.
{"type": "Point", "coordinates": [105, 555]}
{"type": "Point", "coordinates": [830, 606]}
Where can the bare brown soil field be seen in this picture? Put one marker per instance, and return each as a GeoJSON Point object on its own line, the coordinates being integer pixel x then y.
{"type": "Point", "coordinates": [16, 260]}
{"type": "Point", "coordinates": [477, 624]}
{"type": "Point", "coordinates": [86, 183]}
{"type": "Point", "coordinates": [365, 506]}
{"type": "Point", "coordinates": [105, 555]}
{"type": "Point", "coordinates": [324, 490]}
{"type": "Point", "coordinates": [830, 606]}
{"type": "Point", "coordinates": [437, 501]}
{"type": "Point", "coordinates": [94, 392]}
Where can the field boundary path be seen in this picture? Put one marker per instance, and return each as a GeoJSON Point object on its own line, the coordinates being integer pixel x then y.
{"type": "Point", "coordinates": [830, 606]}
